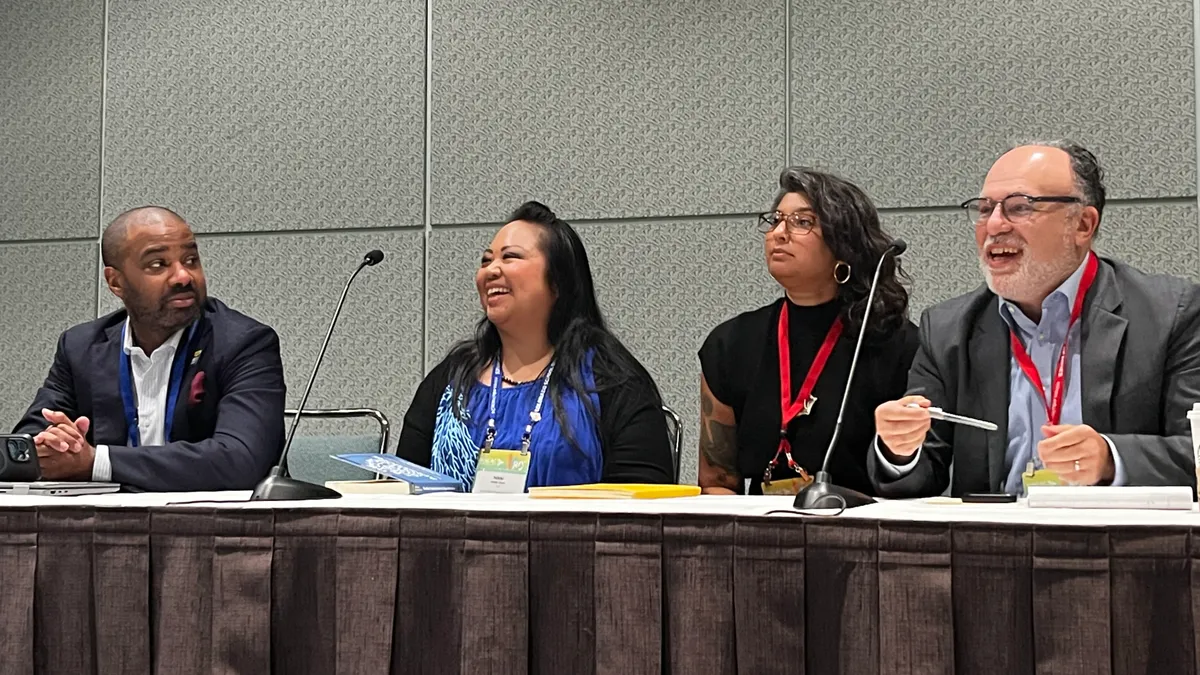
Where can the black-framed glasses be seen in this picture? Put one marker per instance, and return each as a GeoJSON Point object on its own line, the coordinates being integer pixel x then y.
{"type": "Point", "coordinates": [1016, 208]}
{"type": "Point", "coordinates": [798, 222]}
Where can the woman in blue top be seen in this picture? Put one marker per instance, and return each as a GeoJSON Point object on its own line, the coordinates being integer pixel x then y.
{"type": "Point", "coordinates": [542, 373]}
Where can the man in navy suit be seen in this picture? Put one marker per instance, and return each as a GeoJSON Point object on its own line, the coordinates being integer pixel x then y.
{"type": "Point", "coordinates": [177, 392]}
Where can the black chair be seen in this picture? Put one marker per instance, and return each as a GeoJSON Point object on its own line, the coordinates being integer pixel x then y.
{"type": "Point", "coordinates": [675, 436]}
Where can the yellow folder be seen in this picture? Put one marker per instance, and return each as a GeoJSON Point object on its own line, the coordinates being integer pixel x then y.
{"type": "Point", "coordinates": [614, 491]}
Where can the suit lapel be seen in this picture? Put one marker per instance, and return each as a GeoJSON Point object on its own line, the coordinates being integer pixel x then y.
{"type": "Point", "coordinates": [108, 411]}
{"type": "Point", "coordinates": [1103, 332]}
{"type": "Point", "coordinates": [194, 352]}
{"type": "Point", "coordinates": [989, 377]}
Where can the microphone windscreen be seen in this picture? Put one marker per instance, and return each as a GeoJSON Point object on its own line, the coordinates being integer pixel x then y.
{"type": "Point", "coordinates": [374, 257]}
{"type": "Point", "coordinates": [899, 246]}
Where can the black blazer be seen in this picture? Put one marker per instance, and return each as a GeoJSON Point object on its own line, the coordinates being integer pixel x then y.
{"type": "Point", "coordinates": [227, 430]}
{"type": "Point", "coordinates": [1140, 365]}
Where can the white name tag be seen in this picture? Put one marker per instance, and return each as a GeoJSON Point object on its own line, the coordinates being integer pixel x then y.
{"type": "Point", "coordinates": [501, 472]}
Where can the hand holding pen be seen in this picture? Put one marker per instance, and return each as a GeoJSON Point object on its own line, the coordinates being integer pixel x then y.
{"type": "Point", "coordinates": [903, 424]}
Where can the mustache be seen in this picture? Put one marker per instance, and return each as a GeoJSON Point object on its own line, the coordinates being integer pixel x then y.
{"type": "Point", "coordinates": [180, 291]}
{"type": "Point", "coordinates": [1004, 240]}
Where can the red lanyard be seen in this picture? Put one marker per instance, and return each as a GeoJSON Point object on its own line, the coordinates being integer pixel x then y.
{"type": "Point", "coordinates": [804, 401]}
{"type": "Point", "coordinates": [1058, 384]}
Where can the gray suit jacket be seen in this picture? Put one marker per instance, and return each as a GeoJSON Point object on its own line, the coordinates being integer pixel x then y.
{"type": "Point", "coordinates": [1140, 365]}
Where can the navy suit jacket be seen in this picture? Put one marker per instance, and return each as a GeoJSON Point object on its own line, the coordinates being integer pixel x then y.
{"type": "Point", "coordinates": [227, 430]}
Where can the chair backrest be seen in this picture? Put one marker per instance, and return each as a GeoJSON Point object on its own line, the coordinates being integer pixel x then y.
{"type": "Point", "coordinates": [675, 436]}
{"type": "Point", "coordinates": [309, 459]}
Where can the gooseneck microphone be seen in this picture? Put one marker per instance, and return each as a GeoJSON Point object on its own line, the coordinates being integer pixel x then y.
{"type": "Point", "coordinates": [822, 493]}
{"type": "Point", "coordinates": [279, 485]}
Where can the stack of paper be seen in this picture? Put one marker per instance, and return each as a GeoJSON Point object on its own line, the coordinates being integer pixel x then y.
{"type": "Point", "coordinates": [1105, 497]}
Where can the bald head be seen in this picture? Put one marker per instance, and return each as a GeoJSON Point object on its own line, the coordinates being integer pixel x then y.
{"type": "Point", "coordinates": [1053, 161]}
{"type": "Point", "coordinates": [113, 245]}
{"type": "Point", "coordinates": [1032, 170]}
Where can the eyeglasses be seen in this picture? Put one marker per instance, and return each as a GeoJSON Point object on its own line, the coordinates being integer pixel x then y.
{"type": "Point", "coordinates": [1017, 208]}
{"type": "Point", "coordinates": [799, 222]}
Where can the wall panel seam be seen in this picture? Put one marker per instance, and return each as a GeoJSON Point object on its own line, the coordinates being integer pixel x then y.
{"type": "Point", "coordinates": [428, 190]}
{"type": "Point", "coordinates": [47, 240]}
{"type": "Point", "coordinates": [100, 176]}
{"type": "Point", "coordinates": [1196, 117]}
{"type": "Point", "coordinates": [787, 82]}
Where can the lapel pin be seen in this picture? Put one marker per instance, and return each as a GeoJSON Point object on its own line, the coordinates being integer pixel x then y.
{"type": "Point", "coordinates": [196, 357]}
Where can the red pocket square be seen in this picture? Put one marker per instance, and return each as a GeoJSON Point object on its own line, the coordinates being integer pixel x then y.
{"type": "Point", "coordinates": [196, 392]}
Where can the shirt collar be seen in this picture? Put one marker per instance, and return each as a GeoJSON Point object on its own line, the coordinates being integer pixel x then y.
{"type": "Point", "coordinates": [171, 345]}
{"type": "Point", "coordinates": [1067, 290]}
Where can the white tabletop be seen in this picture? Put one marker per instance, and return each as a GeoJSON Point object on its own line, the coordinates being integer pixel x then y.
{"type": "Point", "coordinates": [935, 510]}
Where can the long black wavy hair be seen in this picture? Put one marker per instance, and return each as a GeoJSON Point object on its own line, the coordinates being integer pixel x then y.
{"type": "Point", "coordinates": [576, 325]}
{"type": "Point", "coordinates": [850, 226]}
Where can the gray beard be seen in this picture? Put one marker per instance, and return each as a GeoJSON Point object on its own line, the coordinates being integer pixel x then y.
{"type": "Point", "coordinates": [1034, 279]}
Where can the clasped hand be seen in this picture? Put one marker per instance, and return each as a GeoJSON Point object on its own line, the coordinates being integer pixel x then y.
{"type": "Point", "coordinates": [62, 449]}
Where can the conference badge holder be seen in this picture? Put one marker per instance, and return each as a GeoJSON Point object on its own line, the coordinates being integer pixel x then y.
{"type": "Point", "coordinates": [505, 471]}
{"type": "Point", "coordinates": [501, 471]}
{"type": "Point", "coordinates": [787, 486]}
{"type": "Point", "coordinates": [1053, 401]}
{"type": "Point", "coordinates": [792, 408]}
{"type": "Point", "coordinates": [1033, 476]}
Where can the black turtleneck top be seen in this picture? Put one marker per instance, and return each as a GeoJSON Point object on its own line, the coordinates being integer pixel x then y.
{"type": "Point", "coordinates": [740, 362]}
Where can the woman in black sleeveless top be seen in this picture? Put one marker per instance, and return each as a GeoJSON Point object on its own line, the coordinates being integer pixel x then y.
{"type": "Point", "coordinates": [822, 241]}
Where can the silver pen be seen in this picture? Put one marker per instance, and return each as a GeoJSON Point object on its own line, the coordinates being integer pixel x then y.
{"type": "Point", "coordinates": [939, 414]}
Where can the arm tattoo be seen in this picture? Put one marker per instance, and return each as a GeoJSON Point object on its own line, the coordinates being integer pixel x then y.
{"type": "Point", "coordinates": [718, 442]}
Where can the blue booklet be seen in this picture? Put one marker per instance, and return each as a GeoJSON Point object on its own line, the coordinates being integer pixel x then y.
{"type": "Point", "coordinates": [420, 479]}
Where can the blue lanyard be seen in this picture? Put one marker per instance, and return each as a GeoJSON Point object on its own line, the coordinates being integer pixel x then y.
{"type": "Point", "coordinates": [129, 398]}
{"type": "Point", "coordinates": [535, 415]}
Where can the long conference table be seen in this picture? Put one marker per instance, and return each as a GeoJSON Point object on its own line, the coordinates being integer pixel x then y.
{"type": "Point", "coordinates": [208, 583]}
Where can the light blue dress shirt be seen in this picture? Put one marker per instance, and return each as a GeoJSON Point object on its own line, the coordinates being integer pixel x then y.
{"type": "Point", "coordinates": [1026, 413]}
{"type": "Point", "coordinates": [1043, 341]}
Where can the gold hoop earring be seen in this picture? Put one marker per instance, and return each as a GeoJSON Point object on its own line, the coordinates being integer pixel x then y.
{"type": "Point", "coordinates": [841, 272]}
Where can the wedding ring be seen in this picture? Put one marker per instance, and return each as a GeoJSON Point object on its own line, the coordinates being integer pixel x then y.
{"type": "Point", "coordinates": [1077, 465]}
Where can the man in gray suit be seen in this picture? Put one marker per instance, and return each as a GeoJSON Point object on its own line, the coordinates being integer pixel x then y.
{"type": "Point", "coordinates": [1087, 365]}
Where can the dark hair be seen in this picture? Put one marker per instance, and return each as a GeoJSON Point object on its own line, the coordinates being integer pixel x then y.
{"type": "Point", "coordinates": [850, 226]}
{"type": "Point", "coordinates": [576, 325]}
{"type": "Point", "coordinates": [1089, 177]}
{"type": "Point", "coordinates": [112, 243]}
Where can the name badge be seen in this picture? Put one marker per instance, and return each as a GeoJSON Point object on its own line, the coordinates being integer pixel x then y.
{"type": "Point", "coordinates": [786, 486]}
{"type": "Point", "coordinates": [1040, 477]}
{"type": "Point", "coordinates": [501, 472]}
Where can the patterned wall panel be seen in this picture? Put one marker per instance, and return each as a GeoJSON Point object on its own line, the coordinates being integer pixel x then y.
{"type": "Point", "coordinates": [1160, 238]}
{"type": "Point", "coordinates": [44, 290]}
{"type": "Point", "coordinates": [915, 100]}
{"type": "Point", "coordinates": [50, 74]}
{"type": "Point", "coordinates": [263, 115]}
{"type": "Point", "coordinates": [292, 283]}
{"type": "Point", "coordinates": [940, 260]}
{"type": "Point", "coordinates": [454, 308]}
{"type": "Point", "coordinates": [663, 287]}
{"type": "Point", "coordinates": [606, 109]}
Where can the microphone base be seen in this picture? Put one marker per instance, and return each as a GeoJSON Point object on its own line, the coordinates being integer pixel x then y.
{"type": "Point", "coordinates": [823, 494]}
{"type": "Point", "coordinates": [283, 488]}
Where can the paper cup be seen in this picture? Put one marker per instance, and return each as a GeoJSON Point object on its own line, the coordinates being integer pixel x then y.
{"type": "Point", "coordinates": [1194, 417]}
